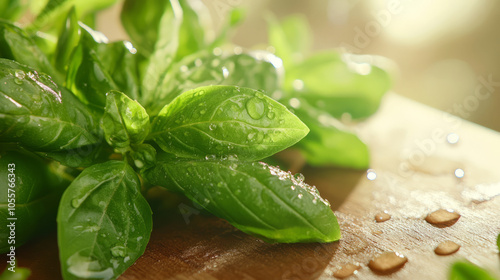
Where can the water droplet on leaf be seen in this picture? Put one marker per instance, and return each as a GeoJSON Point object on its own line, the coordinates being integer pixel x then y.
{"type": "Point", "coordinates": [255, 108]}
{"type": "Point", "coordinates": [119, 251]}
{"type": "Point", "coordinates": [299, 177]}
{"type": "Point", "coordinates": [76, 202]}
{"type": "Point", "coordinates": [139, 163]}
{"type": "Point", "coordinates": [20, 74]}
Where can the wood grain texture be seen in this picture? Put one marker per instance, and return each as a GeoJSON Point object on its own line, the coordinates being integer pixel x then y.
{"type": "Point", "coordinates": [415, 175]}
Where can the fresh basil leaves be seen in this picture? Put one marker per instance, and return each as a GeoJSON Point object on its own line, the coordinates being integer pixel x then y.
{"type": "Point", "coordinates": [16, 44]}
{"type": "Point", "coordinates": [124, 121]}
{"type": "Point", "coordinates": [104, 222]}
{"type": "Point", "coordinates": [329, 142]}
{"type": "Point", "coordinates": [222, 121]}
{"type": "Point", "coordinates": [36, 114]}
{"type": "Point", "coordinates": [464, 270]}
{"type": "Point", "coordinates": [258, 199]}
{"type": "Point", "coordinates": [324, 86]}
{"type": "Point", "coordinates": [181, 106]}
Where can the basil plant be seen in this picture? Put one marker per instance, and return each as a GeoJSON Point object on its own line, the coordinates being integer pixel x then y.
{"type": "Point", "coordinates": [90, 125]}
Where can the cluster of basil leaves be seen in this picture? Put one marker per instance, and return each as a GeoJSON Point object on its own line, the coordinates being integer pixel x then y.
{"type": "Point", "coordinates": [178, 114]}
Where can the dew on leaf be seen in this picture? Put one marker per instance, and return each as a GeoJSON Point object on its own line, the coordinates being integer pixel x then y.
{"type": "Point", "coordinates": [139, 163]}
{"type": "Point", "coordinates": [299, 177]}
{"type": "Point", "coordinates": [20, 74]}
{"type": "Point", "coordinates": [255, 108]}
{"type": "Point", "coordinates": [210, 157]}
{"type": "Point", "coordinates": [87, 267]}
{"type": "Point", "coordinates": [271, 115]}
{"type": "Point", "coordinates": [76, 202]}
{"type": "Point", "coordinates": [119, 251]}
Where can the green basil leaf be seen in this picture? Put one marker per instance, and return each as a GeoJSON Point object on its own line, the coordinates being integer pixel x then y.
{"type": "Point", "coordinates": [498, 242]}
{"type": "Point", "coordinates": [143, 22]}
{"type": "Point", "coordinates": [87, 76]}
{"type": "Point", "coordinates": [165, 50]}
{"type": "Point", "coordinates": [35, 193]}
{"type": "Point", "coordinates": [56, 10]}
{"type": "Point", "coordinates": [104, 222]}
{"type": "Point", "coordinates": [12, 9]}
{"type": "Point", "coordinates": [290, 38]}
{"type": "Point", "coordinates": [68, 40]}
{"type": "Point", "coordinates": [47, 43]}
{"type": "Point", "coordinates": [329, 142]}
{"type": "Point", "coordinates": [223, 121]}
{"type": "Point", "coordinates": [256, 198]}
{"type": "Point", "coordinates": [124, 121]}
{"type": "Point", "coordinates": [141, 19]}
{"type": "Point", "coordinates": [258, 70]}
{"type": "Point", "coordinates": [15, 44]}
{"type": "Point", "coordinates": [38, 115]}
{"type": "Point", "coordinates": [337, 87]}
{"type": "Point", "coordinates": [83, 156]}
{"type": "Point", "coordinates": [192, 31]}
{"type": "Point", "coordinates": [463, 270]}
{"type": "Point", "coordinates": [120, 61]}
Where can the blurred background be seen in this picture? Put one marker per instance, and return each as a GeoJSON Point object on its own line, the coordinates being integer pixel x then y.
{"type": "Point", "coordinates": [447, 52]}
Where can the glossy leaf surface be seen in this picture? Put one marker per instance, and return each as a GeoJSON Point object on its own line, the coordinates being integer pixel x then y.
{"type": "Point", "coordinates": [87, 76]}
{"type": "Point", "coordinates": [67, 41]}
{"type": "Point", "coordinates": [56, 10]}
{"type": "Point", "coordinates": [256, 198]}
{"type": "Point", "coordinates": [124, 121]}
{"type": "Point", "coordinates": [329, 142]}
{"type": "Point", "coordinates": [221, 121]}
{"type": "Point", "coordinates": [104, 222]}
{"type": "Point", "coordinates": [40, 116]}
{"type": "Point", "coordinates": [337, 87]}
{"type": "Point", "coordinates": [258, 71]}
{"type": "Point", "coordinates": [15, 44]}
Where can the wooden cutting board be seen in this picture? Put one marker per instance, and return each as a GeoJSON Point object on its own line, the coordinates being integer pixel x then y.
{"type": "Point", "coordinates": [415, 166]}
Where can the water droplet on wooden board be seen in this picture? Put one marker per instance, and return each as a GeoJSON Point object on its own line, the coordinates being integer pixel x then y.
{"type": "Point", "coordinates": [347, 270]}
{"type": "Point", "coordinates": [442, 217]}
{"type": "Point", "coordinates": [387, 262]}
{"type": "Point", "coordinates": [382, 217]}
{"type": "Point", "coordinates": [446, 248]}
